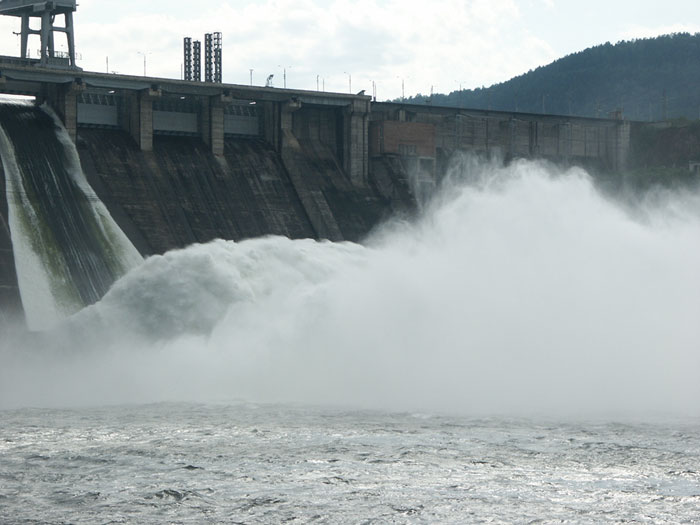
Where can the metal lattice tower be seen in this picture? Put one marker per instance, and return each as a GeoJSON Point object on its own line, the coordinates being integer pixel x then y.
{"type": "Point", "coordinates": [208, 58]}
{"type": "Point", "coordinates": [47, 12]}
{"type": "Point", "coordinates": [188, 58]}
{"type": "Point", "coordinates": [197, 61]}
{"type": "Point", "coordinates": [217, 58]}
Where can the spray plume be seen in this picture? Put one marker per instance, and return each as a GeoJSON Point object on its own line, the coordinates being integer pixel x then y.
{"type": "Point", "coordinates": [519, 290]}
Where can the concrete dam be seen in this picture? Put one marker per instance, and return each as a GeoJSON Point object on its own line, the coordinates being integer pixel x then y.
{"type": "Point", "coordinates": [177, 162]}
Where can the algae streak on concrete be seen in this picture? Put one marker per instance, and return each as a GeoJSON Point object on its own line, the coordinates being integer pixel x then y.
{"type": "Point", "coordinates": [10, 302]}
{"type": "Point", "coordinates": [67, 249]}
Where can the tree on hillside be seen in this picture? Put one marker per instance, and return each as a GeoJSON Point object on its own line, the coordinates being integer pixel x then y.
{"type": "Point", "coordinates": [646, 79]}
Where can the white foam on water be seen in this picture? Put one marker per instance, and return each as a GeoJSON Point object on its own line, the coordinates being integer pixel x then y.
{"type": "Point", "coordinates": [520, 290]}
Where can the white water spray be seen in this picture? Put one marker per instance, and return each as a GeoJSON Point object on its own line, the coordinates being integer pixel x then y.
{"type": "Point", "coordinates": [47, 289]}
{"type": "Point", "coordinates": [520, 290]}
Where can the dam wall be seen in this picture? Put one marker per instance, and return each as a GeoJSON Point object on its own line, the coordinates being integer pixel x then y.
{"type": "Point", "coordinates": [314, 151]}
{"type": "Point", "coordinates": [178, 162]}
{"type": "Point", "coordinates": [431, 135]}
{"type": "Point", "coordinates": [180, 193]}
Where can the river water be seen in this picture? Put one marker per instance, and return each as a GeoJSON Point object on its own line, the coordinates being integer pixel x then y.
{"type": "Point", "coordinates": [246, 463]}
{"type": "Point", "coordinates": [525, 350]}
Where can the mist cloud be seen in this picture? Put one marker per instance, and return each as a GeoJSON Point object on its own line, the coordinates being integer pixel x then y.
{"type": "Point", "coordinates": [521, 290]}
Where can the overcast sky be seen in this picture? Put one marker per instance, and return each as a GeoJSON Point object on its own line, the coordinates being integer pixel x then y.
{"type": "Point", "coordinates": [349, 44]}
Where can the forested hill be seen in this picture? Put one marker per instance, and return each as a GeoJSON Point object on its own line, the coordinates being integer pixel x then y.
{"type": "Point", "coordinates": [648, 79]}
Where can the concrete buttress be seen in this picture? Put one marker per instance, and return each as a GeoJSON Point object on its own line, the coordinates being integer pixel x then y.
{"type": "Point", "coordinates": [140, 117]}
{"type": "Point", "coordinates": [63, 99]}
{"type": "Point", "coordinates": [211, 123]}
{"type": "Point", "coordinates": [355, 146]}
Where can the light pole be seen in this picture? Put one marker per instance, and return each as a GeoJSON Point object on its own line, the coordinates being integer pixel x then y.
{"type": "Point", "coordinates": [251, 76]}
{"type": "Point", "coordinates": [284, 75]}
{"type": "Point", "coordinates": [144, 53]}
{"type": "Point", "coordinates": [349, 81]}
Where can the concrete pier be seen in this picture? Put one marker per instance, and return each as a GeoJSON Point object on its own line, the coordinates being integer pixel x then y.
{"type": "Point", "coordinates": [355, 147]}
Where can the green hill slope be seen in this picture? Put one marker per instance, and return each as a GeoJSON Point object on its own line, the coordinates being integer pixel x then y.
{"type": "Point", "coordinates": [648, 79]}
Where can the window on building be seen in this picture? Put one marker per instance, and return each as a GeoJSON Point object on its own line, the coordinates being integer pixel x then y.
{"type": "Point", "coordinates": [407, 149]}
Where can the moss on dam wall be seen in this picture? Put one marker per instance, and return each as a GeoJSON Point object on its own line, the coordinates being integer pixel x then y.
{"type": "Point", "coordinates": [10, 304]}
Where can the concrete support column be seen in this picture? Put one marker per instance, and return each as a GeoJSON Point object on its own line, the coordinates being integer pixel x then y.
{"type": "Point", "coordinates": [286, 123]}
{"type": "Point", "coordinates": [63, 99]}
{"type": "Point", "coordinates": [211, 123]}
{"type": "Point", "coordinates": [621, 146]}
{"type": "Point", "coordinates": [70, 37]}
{"type": "Point", "coordinates": [217, 123]}
{"type": "Point", "coordinates": [564, 140]}
{"type": "Point", "coordinates": [286, 118]}
{"type": "Point", "coordinates": [45, 33]}
{"type": "Point", "coordinates": [144, 131]}
{"type": "Point", "coordinates": [52, 46]}
{"type": "Point", "coordinates": [70, 111]}
{"type": "Point", "coordinates": [486, 134]}
{"type": "Point", "coordinates": [512, 137]}
{"type": "Point", "coordinates": [270, 124]}
{"type": "Point", "coordinates": [356, 141]}
{"type": "Point", "coordinates": [25, 35]}
{"type": "Point", "coordinates": [138, 120]}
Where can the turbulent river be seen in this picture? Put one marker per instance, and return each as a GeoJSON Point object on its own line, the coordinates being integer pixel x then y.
{"type": "Point", "coordinates": [243, 463]}
{"type": "Point", "coordinates": [526, 349]}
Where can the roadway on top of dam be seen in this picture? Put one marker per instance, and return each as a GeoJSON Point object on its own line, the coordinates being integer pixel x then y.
{"type": "Point", "coordinates": [25, 77]}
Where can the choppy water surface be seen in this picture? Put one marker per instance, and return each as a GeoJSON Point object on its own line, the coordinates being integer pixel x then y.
{"type": "Point", "coordinates": [191, 463]}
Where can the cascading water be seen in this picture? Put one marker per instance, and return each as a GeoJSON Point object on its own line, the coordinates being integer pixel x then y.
{"type": "Point", "coordinates": [68, 250]}
{"type": "Point", "coordinates": [520, 289]}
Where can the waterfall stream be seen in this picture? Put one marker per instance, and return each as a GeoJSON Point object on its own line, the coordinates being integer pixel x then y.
{"type": "Point", "coordinates": [68, 250]}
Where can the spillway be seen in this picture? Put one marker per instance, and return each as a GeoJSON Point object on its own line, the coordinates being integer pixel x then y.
{"type": "Point", "coordinates": [67, 248]}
